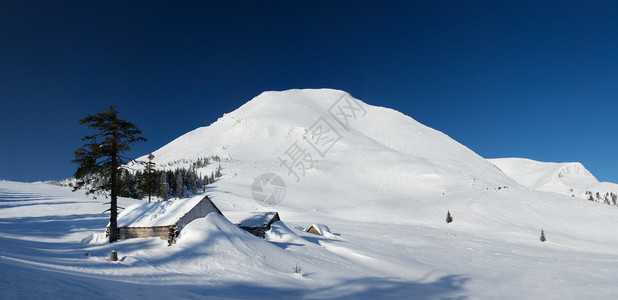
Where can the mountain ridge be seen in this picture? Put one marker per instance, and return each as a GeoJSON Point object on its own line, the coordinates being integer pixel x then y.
{"type": "Point", "coordinates": [570, 179]}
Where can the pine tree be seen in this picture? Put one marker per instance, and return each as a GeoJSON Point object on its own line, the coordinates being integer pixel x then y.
{"type": "Point", "coordinates": [163, 186]}
{"type": "Point", "coordinates": [194, 178]}
{"type": "Point", "coordinates": [130, 183]}
{"type": "Point", "coordinates": [100, 157]}
{"type": "Point", "coordinates": [218, 172]}
{"type": "Point", "coordinates": [125, 186]}
{"type": "Point", "coordinates": [543, 236]}
{"type": "Point", "coordinates": [204, 183]}
{"type": "Point", "coordinates": [179, 184]}
{"type": "Point", "coordinates": [449, 219]}
{"type": "Point", "coordinates": [149, 178]}
{"type": "Point", "coordinates": [183, 191]}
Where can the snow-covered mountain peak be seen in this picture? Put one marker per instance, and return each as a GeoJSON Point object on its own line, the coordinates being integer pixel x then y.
{"type": "Point", "coordinates": [272, 115]}
{"type": "Point", "coordinates": [293, 103]}
{"type": "Point", "coordinates": [575, 173]}
{"type": "Point", "coordinates": [325, 140]}
{"type": "Point", "coordinates": [571, 178]}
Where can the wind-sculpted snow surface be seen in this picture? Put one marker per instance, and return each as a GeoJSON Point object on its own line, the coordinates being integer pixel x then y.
{"type": "Point", "coordinates": [59, 255]}
{"type": "Point", "coordinates": [382, 187]}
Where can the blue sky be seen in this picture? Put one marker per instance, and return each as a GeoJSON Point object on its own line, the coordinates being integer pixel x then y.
{"type": "Point", "coordinates": [527, 79]}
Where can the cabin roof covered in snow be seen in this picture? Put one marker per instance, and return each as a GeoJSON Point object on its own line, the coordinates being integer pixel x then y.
{"type": "Point", "coordinates": [164, 213]}
{"type": "Point", "coordinates": [251, 219]}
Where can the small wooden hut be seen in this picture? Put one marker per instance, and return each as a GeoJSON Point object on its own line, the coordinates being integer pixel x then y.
{"type": "Point", "coordinates": [313, 230]}
{"type": "Point", "coordinates": [318, 229]}
{"type": "Point", "coordinates": [256, 223]}
{"type": "Point", "coordinates": [162, 219]}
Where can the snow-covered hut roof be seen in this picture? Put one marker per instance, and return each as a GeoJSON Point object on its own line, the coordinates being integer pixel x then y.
{"type": "Point", "coordinates": [252, 219]}
{"type": "Point", "coordinates": [155, 214]}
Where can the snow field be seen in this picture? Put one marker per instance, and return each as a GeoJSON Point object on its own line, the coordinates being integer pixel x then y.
{"type": "Point", "coordinates": [383, 190]}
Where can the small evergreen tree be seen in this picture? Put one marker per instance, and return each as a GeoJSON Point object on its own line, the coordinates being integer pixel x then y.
{"type": "Point", "coordinates": [127, 184]}
{"type": "Point", "coordinates": [298, 269]}
{"type": "Point", "coordinates": [179, 184]}
{"type": "Point", "coordinates": [218, 172]}
{"type": "Point", "coordinates": [183, 191]}
{"type": "Point", "coordinates": [148, 183]}
{"type": "Point", "coordinates": [194, 179]}
{"type": "Point", "coordinates": [449, 219]}
{"type": "Point", "coordinates": [163, 187]}
{"type": "Point", "coordinates": [543, 239]}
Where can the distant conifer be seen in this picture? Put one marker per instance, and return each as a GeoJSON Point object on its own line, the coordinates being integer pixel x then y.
{"type": "Point", "coordinates": [149, 182]}
{"type": "Point", "coordinates": [163, 186]}
{"type": "Point", "coordinates": [449, 219]}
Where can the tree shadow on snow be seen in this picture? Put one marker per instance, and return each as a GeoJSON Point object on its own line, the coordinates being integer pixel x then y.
{"type": "Point", "coordinates": [53, 226]}
{"type": "Point", "coordinates": [21, 204]}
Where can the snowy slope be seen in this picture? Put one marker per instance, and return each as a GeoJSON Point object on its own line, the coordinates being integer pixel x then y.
{"type": "Point", "coordinates": [381, 152]}
{"type": "Point", "coordinates": [382, 189]}
{"type": "Point", "coordinates": [490, 251]}
{"type": "Point", "coordinates": [571, 179]}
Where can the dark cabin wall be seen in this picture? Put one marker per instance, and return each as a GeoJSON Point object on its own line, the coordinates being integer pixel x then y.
{"type": "Point", "coordinates": [261, 231]}
{"type": "Point", "coordinates": [274, 219]}
{"type": "Point", "coordinates": [144, 232]}
{"type": "Point", "coordinates": [313, 230]}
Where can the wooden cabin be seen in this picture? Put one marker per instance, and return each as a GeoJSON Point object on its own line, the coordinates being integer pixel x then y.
{"type": "Point", "coordinates": [318, 229]}
{"type": "Point", "coordinates": [256, 223]}
{"type": "Point", "coordinates": [313, 230]}
{"type": "Point", "coordinates": [162, 219]}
